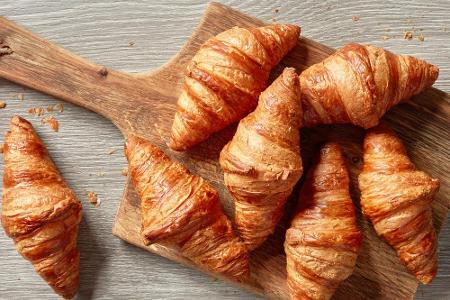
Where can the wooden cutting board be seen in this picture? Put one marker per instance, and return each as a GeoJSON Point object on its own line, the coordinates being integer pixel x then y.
{"type": "Point", "coordinates": [144, 104]}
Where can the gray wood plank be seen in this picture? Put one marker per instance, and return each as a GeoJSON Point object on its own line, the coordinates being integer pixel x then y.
{"type": "Point", "coordinates": [102, 31]}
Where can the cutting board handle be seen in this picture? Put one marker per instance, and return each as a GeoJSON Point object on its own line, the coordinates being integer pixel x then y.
{"type": "Point", "coordinates": [29, 60]}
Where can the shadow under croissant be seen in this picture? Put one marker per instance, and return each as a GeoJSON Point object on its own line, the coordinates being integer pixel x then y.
{"type": "Point", "coordinates": [92, 260]}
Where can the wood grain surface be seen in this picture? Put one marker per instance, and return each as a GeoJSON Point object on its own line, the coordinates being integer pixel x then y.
{"type": "Point", "coordinates": [104, 268]}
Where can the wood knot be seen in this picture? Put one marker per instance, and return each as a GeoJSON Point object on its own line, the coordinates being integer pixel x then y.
{"type": "Point", "coordinates": [103, 72]}
{"type": "Point", "coordinates": [5, 50]}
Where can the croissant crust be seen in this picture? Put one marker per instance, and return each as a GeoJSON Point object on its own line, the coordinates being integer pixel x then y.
{"type": "Point", "coordinates": [224, 79]}
{"type": "Point", "coordinates": [397, 198]}
{"type": "Point", "coordinates": [358, 84]}
{"type": "Point", "coordinates": [323, 241]}
{"type": "Point", "coordinates": [40, 212]}
{"type": "Point", "coordinates": [262, 162]}
{"type": "Point", "coordinates": [183, 210]}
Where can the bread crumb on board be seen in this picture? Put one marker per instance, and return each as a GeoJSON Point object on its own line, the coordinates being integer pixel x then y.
{"type": "Point", "coordinates": [36, 111]}
{"type": "Point", "coordinates": [386, 37]}
{"type": "Point", "coordinates": [131, 44]}
{"type": "Point", "coordinates": [49, 108]}
{"type": "Point", "coordinates": [421, 37]}
{"type": "Point", "coordinates": [51, 122]}
{"type": "Point", "coordinates": [112, 151]}
{"type": "Point", "coordinates": [20, 96]}
{"type": "Point", "coordinates": [59, 107]}
{"type": "Point", "coordinates": [407, 35]}
{"type": "Point", "coordinates": [93, 198]}
{"type": "Point", "coordinates": [2, 104]}
{"type": "Point", "coordinates": [355, 18]}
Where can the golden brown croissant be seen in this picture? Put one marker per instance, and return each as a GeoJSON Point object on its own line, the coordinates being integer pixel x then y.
{"type": "Point", "coordinates": [184, 210]}
{"type": "Point", "coordinates": [40, 212]}
{"type": "Point", "coordinates": [262, 162]}
{"type": "Point", "coordinates": [323, 241]}
{"type": "Point", "coordinates": [358, 84]}
{"type": "Point", "coordinates": [224, 79]}
{"type": "Point", "coordinates": [397, 198]}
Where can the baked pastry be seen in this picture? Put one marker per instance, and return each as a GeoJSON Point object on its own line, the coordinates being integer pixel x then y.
{"type": "Point", "coordinates": [224, 79]}
{"type": "Point", "coordinates": [262, 162]}
{"type": "Point", "coordinates": [358, 84]}
{"type": "Point", "coordinates": [323, 241]}
{"type": "Point", "coordinates": [397, 198]}
{"type": "Point", "coordinates": [184, 211]}
{"type": "Point", "coordinates": [40, 212]}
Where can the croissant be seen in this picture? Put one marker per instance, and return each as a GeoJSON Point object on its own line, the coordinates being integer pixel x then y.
{"type": "Point", "coordinates": [224, 79]}
{"type": "Point", "coordinates": [323, 241]}
{"type": "Point", "coordinates": [358, 84]}
{"type": "Point", "coordinates": [262, 162]}
{"type": "Point", "coordinates": [40, 212]}
{"type": "Point", "coordinates": [183, 210]}
{"type": "Point", "coordinates": [397, 198]}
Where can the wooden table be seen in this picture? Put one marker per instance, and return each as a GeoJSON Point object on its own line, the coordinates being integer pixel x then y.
{"type": "Point", "coordinates": [88, 149]}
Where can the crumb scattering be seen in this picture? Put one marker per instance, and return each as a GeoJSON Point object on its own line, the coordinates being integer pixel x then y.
{"type": "Point", "coordinates": [2, 104]}
{"type": "Point", "coordinates": [421, 37]}
{"type": "Point", "coordinates": [59, 107]}
{"type": "Point", "coordinates": [51, 122]}
{"type": "Point", "coordinates": [355, 18]}
{"type": "Point", "coordinates": [407, 35]}
{"type": "Point", "coordinates": [125, 171]}
{"type": "Point", "coordinates": [20, 96]}
{"type": "Point", "coordinates": [112, 151]}
{"type": "Point", "coordinates": [276, 10]}
{"type": "Point", "coordinates": [93, 198]}
{"type": "Point", "coordinates": [131, 44]}
{"type": "Point", "coordinates": [49, 108]}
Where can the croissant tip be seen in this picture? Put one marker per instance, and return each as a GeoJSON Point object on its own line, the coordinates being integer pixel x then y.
{"type": "Point", "coordinates": [20, 122]}
{"type": "Point", "coordinates": [174, 145]}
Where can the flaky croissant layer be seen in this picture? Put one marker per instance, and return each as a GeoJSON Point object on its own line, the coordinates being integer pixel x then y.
{"type": "Point", "coordinates": [323, 241]}
{"type": "Point", "coordinates": [224, 79]}
{"type": "Point", "coordinates": [262, 162]}
{"type": "Point", "coordinates": [40, 212]}
{"type": "Point", "coordinates": [183, 210]}
{"type": "Point", "coordinates": [397, 198]}
{"type": "Point", "coordinates": [358, 84]}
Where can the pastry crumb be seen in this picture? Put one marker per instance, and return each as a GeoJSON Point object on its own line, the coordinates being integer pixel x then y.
{"type": "Point", "coordinates": [59, 107]}
{"type": "Point", "coordinates": [112, 151]}
{"type": "Point", "coordinates": [407, 35]}
{"type": "Point", "coordinates": [125, 171]}
{"type": "Point", "coordinates": [51, 122]}
{"type": "Point", "coordinates": [2, 104]}
{"type": "Point", "coordinates": [421, 37]}
{"type": "Point", "coordinates": [276, 10]}
{"type": "Point", "coordinates": [355, 18]}
{"type": "Point", "coordinates": [49, 108]}
{"type": "Point", "coordinates": [20, 96]}
{"type": "Point", "coordinates": [93, 198]}
{"type": "Point", "coordinates": [131, 44]}
{"type": "Point", "coordinates": [385, 37]}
